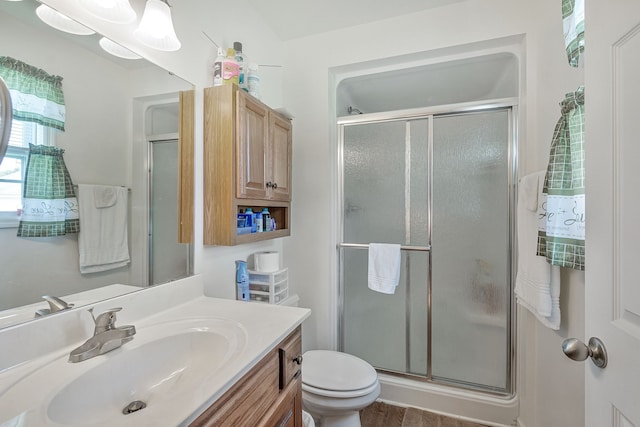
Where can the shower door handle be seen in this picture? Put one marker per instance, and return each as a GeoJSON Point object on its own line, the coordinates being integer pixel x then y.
{"type": "Point", "coordinates": [576, 350]}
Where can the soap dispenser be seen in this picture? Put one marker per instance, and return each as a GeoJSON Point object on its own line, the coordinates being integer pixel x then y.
{"type": "Point", "coordinates": [242, 281]}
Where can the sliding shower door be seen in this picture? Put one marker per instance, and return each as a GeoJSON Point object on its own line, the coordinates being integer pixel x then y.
{"type": "Point", "coordinates": [385, 200]}
{"type": "Point", "coordinates": [168, 259]}
{"type": "Point", "coordinates": [439, 185]}
{"type": "Point", "coordinates": [471, 239]}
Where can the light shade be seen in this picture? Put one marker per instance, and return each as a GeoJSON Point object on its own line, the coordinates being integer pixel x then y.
{"type": "Point", "coordinates": [116, 50]}
{"type": "Point", "coordinates": [61, 22]}
{"type": "Point", "coordinates": [156, 27]}
{"type": "Point", "coordinates": [116, 11]}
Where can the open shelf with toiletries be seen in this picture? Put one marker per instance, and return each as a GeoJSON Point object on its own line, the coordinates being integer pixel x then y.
{"type": "Point", "coordinates": [270, 394]}
{"type": "Point", "coordinates": [247, 164]}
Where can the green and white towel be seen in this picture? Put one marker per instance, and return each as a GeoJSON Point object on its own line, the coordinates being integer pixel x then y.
{"type": "Point", "coordinates": [35, 94]}
{"type": "Point", "coordinates": [573, 28]}
{"type": "Point", "coordinates": [49, 204]}
{"type": "Point", "coordinates": [562, 233]}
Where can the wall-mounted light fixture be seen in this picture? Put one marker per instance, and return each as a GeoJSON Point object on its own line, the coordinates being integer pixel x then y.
{"type": "Point", "coordinates": [61, 22]}
{"type": "Point", "coordinates": [156, 27]}
{"type": "Point", "coordinates": [116, 11]}
{"type": "Point", "coordinates": [115, 49]}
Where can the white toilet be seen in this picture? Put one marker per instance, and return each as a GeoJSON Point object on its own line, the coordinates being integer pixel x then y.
{"type": "Point", "coordinates": [336, 386]}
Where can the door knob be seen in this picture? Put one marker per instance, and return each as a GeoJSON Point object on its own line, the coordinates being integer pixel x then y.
{"type": "Point", "coordinates": [575, 349]}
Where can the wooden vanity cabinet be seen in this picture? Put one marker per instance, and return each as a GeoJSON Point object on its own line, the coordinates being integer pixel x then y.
{"type": "Point", "coordinates": [247, 163]}
{"type": "Point", "coordinates": [269, 395]}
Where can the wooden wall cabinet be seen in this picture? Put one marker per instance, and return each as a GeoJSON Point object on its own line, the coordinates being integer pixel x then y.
{"type": "Point", "coordinates": [186, 170]}
{"type": "Point", "coordinates": [247, 163]}
{"type": "Point", "coordinates": [269, 395]}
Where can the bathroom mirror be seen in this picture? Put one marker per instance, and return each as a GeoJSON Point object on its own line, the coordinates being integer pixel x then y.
{"type": "Point", "coordinates": [121, 123]}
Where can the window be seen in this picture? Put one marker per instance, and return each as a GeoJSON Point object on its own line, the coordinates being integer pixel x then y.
{"type": "Point", "coordinates": [14, 165]}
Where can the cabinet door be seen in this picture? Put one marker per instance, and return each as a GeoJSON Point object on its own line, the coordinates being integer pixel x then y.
{"type": "Point", "coordinates": [253, 125]}
{"type": "Point", "coordinates": [279, 158]}
{"type": "Point", "coordinates": [288, 410]}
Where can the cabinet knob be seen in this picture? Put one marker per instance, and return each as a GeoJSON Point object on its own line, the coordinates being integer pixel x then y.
{"type": "Point", "coordinates": [269, 184]}
{"type": "Point", "coordinates": [298, 359]}
{"type": "Point", "coordinates": [274, 185]}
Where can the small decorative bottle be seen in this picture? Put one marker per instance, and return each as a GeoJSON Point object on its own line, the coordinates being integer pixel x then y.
{"type": "Point", "coordinates": [242, 281]}
{"type": "Point", "coordinates": [240, 59]}
{"type": "Point", "coordinates": [259, 222]}
{"type": "Point", "coordinates": [230, 68]}
{"type": "Point", "coordinates": [249, 211]}
{"type": "Point", "coordinates": [217, 68]}
{"type": "Point", "coordinates": [266, 219]}
{"type": "Point", "coordinates": [253, 81]}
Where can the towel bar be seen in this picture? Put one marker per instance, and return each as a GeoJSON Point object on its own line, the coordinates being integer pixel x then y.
{"type": "Point", "coordinates": [75, 186]}
{"type": "Point", "coordinates": [366, 246]}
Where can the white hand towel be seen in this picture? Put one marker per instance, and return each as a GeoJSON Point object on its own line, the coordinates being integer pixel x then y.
{"type": "Point", "coordinates": [105, 195]}
{"type": "Point", "coordinates": [102, 241]}
{"type": "Point", "coordinates": [537, 282]}
{"type": "Point", "coordinates": [384, 267]}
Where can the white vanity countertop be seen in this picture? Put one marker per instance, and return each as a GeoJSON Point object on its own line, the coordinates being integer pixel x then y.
{"type": "Point", "coordinates": [263, 326]}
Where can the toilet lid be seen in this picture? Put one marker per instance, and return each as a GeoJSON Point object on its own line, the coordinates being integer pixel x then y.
{"type": "Point", "coordinates": [331, 370]}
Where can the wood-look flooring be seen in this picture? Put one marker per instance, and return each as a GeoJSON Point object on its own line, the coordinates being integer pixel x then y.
{"type": "Point", "coordinates": [384, 415]}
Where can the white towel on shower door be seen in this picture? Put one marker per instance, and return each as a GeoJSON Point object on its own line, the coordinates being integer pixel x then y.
{"type": "Point", "coordinates": [537, 282]}
{"type": "Point", "coordinates": [102, 241]}
{"type": "Point", "coordinates": [384, 267]}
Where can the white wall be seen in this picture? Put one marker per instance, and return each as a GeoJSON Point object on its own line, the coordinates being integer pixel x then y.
{"type": "Point", "coordinates": [308, 95]}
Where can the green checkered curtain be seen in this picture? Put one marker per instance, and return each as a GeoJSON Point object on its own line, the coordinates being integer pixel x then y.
{"type": "Point", "coordinates": [49, 204]}
{"type": "Point", "coordinates": [562, 233]}
{"type": "Point", "coordinates": [573, 28]}
{"type": "Point", "coordinates": [36, 95]}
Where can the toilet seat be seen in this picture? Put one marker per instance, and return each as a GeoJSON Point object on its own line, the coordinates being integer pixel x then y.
{"type": "Point", "coordinates": [340, 394]}
{"type": "Point", "coordinates": [334, 374]}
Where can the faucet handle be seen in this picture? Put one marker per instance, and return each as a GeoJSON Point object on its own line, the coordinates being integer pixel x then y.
{"type": "Point", "coordinates": [56, 304]}
{"type": "Point", "coordinates": [105, 321]}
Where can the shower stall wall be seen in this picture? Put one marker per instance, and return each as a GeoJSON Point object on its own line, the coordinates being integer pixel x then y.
{"type": "Point", "coordinates": [441, 184]}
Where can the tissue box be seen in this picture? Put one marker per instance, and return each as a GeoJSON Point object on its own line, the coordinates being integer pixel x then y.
{"type": "Point", "coordinates": [270, 288]}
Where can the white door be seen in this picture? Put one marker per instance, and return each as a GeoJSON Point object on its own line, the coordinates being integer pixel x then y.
{"type": "Point", "coordinates": [612, 311]}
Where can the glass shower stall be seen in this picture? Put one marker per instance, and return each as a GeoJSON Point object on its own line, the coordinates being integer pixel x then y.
{"type": "Point", "coordinates": [441, 184]}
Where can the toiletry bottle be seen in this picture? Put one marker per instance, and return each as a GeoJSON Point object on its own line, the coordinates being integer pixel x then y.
{"type": "Point", "coordinates": [217, 68]}
{"type": "Point", "coordinates": [259, 226]}
{"type": "Point", "coordinates": [253, 81]}
{"type": "Point", "coordinates": [242, 281]}
{"type": "Point", "coordinates": [266, 219]}
{"type": "Point", "coordinates": [249, 211]}
{"type": "Point", "coordinates": [240, 59]}
{"type": "Point", "coordinates": [230, 68]}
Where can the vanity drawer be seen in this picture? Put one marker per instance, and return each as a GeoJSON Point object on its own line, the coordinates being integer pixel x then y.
{"type": "Point", "coordinates": [290, 353]}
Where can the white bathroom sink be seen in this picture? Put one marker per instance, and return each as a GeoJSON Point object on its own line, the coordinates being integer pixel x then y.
{"type": "Point", "coordinates": [165, 364]}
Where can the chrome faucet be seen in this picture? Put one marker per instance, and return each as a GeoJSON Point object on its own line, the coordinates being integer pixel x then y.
{"type": "Point", "coordinates": [55, 304]}
{"type": "Point", "coordinates": [106, 336]}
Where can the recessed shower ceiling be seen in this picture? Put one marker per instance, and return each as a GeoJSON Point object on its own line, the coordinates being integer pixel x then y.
{"type": "Point", "coordinates": [473, 79]}
{"type": "Point", "coordinates": [292, 19]}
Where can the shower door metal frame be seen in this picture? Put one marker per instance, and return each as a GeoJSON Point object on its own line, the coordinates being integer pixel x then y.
{"type": "Point", "coordinates": [509, 104]}
{"type": "Point", "coordinates": [151, 143]}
